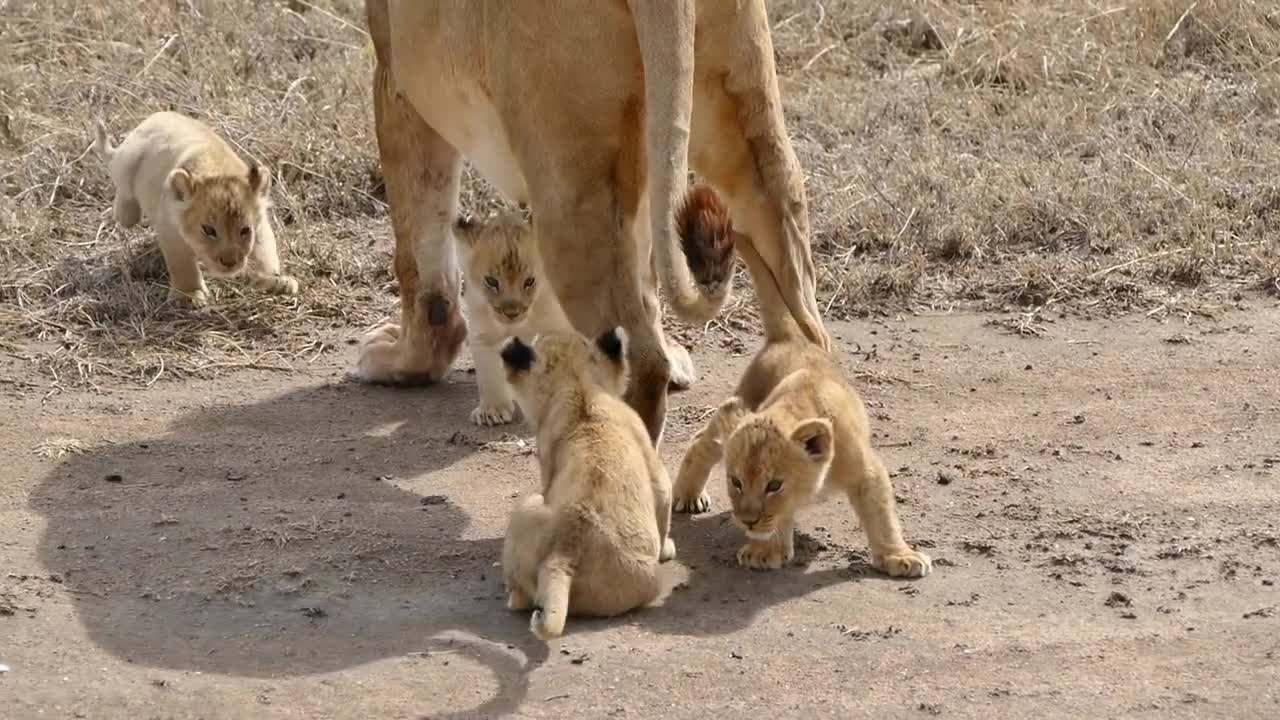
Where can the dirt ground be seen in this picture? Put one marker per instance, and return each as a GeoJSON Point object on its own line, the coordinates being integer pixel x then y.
{"type": "Point", "coordinates": [1101, 505]}
{"type": "Point", "coordinates": [1047, 235]}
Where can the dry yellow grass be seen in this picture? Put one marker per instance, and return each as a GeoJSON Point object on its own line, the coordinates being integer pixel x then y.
{"type": "Point", "coordinates": [1106, 155]}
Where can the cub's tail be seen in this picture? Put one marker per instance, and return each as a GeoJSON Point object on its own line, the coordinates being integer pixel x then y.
{"type": "Point", "coordinates": [703, 222]}
{"type": "Point", "coordinates": [554, 581]}
{"type": "Point", "coordinates": [101, 142]}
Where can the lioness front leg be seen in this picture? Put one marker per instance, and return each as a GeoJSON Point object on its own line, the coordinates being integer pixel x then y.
{"type": "Point", "coordinates": [422, 173]}
{"type": "Point", "coordinates": [872, 498]}
{"type": "Point", "coordinates": [769, 554]}
{"type": "Point", "coordinates": [496, 405]}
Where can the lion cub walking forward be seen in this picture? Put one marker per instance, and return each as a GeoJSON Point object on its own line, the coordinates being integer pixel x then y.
{"type": "Point", "coordinates": [207, 205]}
{"type": "Point", "coordinates": [591, 541]}
{"type": "Point", "coordinates": [794, 430]}
{"type": "Point", "coordinates": [505, 297]}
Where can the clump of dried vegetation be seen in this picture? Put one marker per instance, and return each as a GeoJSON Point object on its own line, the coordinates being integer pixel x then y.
{"type": "Point", "coordinates": [1087, 154]}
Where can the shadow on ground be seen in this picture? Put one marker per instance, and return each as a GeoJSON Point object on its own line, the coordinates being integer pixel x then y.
{"type": "Point", "coordinates": [277, 538]}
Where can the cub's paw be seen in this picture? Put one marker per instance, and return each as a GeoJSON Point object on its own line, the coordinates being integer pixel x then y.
{"type": "Point", "coordinates": [762, 556]}
{"type": "Point", "coordinates": [487, 414]}
{"type": "Point", "coordinates": [277, 284]}
{"type": "Point", "coordinates": [195, 298]}
{"type": "Point", "coordinates": [517, 600]}
{"type": "Point", "coordinates": [904, 563]}
{"type": "Point", "coordinates": [682, 372]}
{"type": "Point", "coordinates": [668, 551]}
{"type": "Point", "coordinates": [692, 504]}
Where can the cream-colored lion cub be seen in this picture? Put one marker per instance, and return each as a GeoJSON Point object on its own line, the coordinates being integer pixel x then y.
{"type": "Point", "coordinates": [504, 296]}
{"type": "Point", "coordinates": [206, 204]}
{"type": "Point", "coordinates": [794, 431]}
{"type": "Point", "coordinates": [591, 542]}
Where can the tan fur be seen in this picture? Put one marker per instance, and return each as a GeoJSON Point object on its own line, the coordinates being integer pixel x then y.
{"type": "Point", "coordinates": [591, 112]}
{"type": "Point", "coordinates": [591, 541]}
{"type": "Point", "coordinates": [207, 205]}
{"type": "Point", "coordinates": [794, 431]}
{"type": "Point", "coordinates": [505, 295]}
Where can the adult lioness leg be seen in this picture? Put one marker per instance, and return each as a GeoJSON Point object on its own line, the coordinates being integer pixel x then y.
{"type": "Point", "coordinates": [422, 172]}
{"type": "Point", "coordinates": [739, 143]}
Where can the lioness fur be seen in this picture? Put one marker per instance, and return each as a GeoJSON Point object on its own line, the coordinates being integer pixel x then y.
{"type": "Point", "coordinates": [207, 205]}
{"type": "Point", "coordinates": [591, 542]}
{"type": "Point", "coordinates": [591, 113]}
{"type": "Point", "coordinates": [794, 431]}
{"type": "Point", "coordinates": [505, 295]}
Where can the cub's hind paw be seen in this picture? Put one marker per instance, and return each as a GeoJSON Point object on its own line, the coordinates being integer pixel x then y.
{"type": "Point", "coordinates": [762, 556]}
{"type": "Point", "coordinates": [489, 415]}
{"type": "Point", "coordinates": [699, 503]}
{"type": "Point", "coordinates": [904, 563]}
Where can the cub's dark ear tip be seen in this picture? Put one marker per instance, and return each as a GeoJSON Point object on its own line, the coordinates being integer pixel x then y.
{"type": "Point", "coordinates": [612, 343]}
{"type": "Point", "coordinates": [516, 355]}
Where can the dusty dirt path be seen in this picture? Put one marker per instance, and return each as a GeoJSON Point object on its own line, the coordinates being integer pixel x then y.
{"type": "Point", "coordinates": [1103, 506]}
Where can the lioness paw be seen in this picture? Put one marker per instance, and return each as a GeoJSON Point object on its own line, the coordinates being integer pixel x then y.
{"type": "Point", "coordinates": [699, 503]}
{"type": "Point", "coordinates": [386, 333]}
{"type": "Point", "coordinates": [762, 556]}
{"type": "Point", "coordinates": [517, 600]}
{"type": "Point", "coordinates": [496, 414]}
{"type": "Point", "coordinates": [905, 563]}
{"type": "Point", "coordinates": [668, 551]}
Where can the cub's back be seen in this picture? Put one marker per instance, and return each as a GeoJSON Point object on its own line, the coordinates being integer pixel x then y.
{"type": "Point", "coordinates": [166, 140]}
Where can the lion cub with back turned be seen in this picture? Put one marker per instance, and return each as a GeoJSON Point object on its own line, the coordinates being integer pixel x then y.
{"type": "Point", "coordinates": [794, 431]}
{"type": "Point", "coordinates": [207, 205]}
{"type": "Point", "coordinates": [504, 297]}
{"type": "Point", "coordinates": [591, 542]}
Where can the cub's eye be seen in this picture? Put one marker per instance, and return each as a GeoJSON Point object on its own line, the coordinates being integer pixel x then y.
{"type": "Point", "coordinates": [529, 283]}
{"type": "Point", "coordinates": [245, 232]}
{"type": "Point", "coordinates": [737, 484]}
{"type": "Point", "coordinates": [491, 282]}
{"type": "Point", "coordinates": [209, 231]}
{"type": "Point", "coordinates": [773, 486]}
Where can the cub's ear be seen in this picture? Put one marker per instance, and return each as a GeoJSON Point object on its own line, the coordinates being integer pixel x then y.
{"type": "Point", "coordinates": [260, 179]}
{"type": "Point", "coordinates": [731, 412]}
{"type": "Point", "coordinates": [516, 355]}
{"type": "Point", "coordinates": [464, 227]}
{"type": "Point", "coordinates": [613, 343]}
{"type": "Point", "coordinates": [179, 184]}
{"type": "Point", "coordinates": [814, 436]}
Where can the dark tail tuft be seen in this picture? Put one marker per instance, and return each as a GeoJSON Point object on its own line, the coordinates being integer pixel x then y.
{"type": "Point", "coordinates": [706, 236]}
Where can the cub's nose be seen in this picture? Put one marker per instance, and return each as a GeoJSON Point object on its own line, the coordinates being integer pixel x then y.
{"type": "Point", "coordinates": [512, 313]}
{"type": "Point", "coordinates": [229, 258]}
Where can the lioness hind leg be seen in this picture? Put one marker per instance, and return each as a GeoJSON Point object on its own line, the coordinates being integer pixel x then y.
{"type": "Point", "coordinates": [422, 172]}
{"type": "Point", "coordinates": [872, 498]}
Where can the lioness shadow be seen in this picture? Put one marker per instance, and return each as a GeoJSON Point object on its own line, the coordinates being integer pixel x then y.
{"type": "Point", "coordinates": [302, 534]}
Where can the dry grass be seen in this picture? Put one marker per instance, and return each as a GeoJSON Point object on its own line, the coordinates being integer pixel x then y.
{"type": "Point", "coordinates": [1021, 154]}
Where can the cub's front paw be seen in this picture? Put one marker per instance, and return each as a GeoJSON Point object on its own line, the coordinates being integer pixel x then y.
{"type": "Point", "coordinates": [762, 555]}
{"type": "Point", "coordinates": [692, 504]}
{"type": "Point", "coordinates": [668, 551]}
{"type": "Point", "coordinates": [904, 563]}
{"type": "Point", "coordinates": [488, 414]}
{"type": "Point", "coordinates": [195, 298]}
{"type": "Point", "coordinates": [277, 285]}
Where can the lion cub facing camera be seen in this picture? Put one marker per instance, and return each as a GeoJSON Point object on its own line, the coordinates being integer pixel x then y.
{"type": "Point", "coordinates": [207, 205]}
{"type": "Point", "coordinates": [591, 542]}
{"type": "Point", "coordinates": [504, 297]}
{"type": "Point", "coordinates": [793, 431]}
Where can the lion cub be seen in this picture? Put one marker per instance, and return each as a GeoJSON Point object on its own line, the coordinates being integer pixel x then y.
{"type": "Point", "coordinates": [591, 542]}
{"type": "Point", "coordinates": [206, 204]}
{"type": "Point", "coordinates": [794, 431]}
{"type": "Point", "coordinates": [504, 296]}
